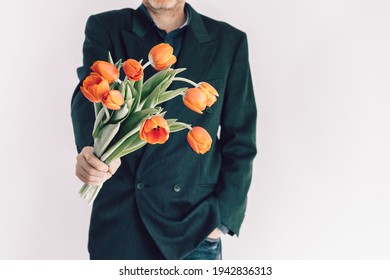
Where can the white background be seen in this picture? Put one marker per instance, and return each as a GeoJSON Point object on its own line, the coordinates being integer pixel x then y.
{"type": "Point", "coordinates": [321, 74]}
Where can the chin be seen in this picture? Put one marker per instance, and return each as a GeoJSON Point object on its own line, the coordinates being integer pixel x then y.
{"type": "Point", "coordinates": [163, 4]}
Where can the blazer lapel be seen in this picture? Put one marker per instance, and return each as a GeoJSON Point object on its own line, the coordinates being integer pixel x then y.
{"type": "Point", "coordinates": [196, 56]}
{"type": "Point", "coordinates": [139, 38]}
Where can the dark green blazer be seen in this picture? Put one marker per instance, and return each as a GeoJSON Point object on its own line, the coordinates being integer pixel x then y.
{"type": "Point", "coordinates": [165, 199]}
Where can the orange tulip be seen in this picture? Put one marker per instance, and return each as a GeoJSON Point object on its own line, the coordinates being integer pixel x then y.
{"type": "Point", "coordinates": [195, 99]}
{"type": "Point", "coordinates": [94, 87]}
{"type": "Point", "coordinates": [212, 93]}
{"type": "Point", "coordinates": [105, 69]}
{"type": "Point", "coordinates": [133, 69]}
{"type": "Point", "coordinates": [161, 56]}
{"type": "Point", "coordinates": [113, 99]}
{"type": "Point", "coordinates": [154, 130]}
{"type": "Point", "coordinates": [199, 140]}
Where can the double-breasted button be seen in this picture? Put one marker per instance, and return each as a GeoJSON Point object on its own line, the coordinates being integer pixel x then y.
{"type": "Point", "coordinates": [140, 186]}
{"type": "Point", "coordinates": [176, 188]}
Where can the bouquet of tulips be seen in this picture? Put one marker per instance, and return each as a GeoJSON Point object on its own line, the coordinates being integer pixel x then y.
{"type": "Point", "coordinates": [128, 112]}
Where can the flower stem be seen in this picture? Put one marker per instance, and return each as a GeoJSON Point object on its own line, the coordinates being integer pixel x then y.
{"type": "Point", "coordinates": [107, 114]}
{"type": "Point", "coordinates": [185, 80]}
{"type": "Point", "coordinates": [189, 127]}
{"type": "Point", "coordinates": [97, 107]}
{"type": "Point", "coordinates": [146, 64]}
{"type": "Point", "coordinates": [117, 144]}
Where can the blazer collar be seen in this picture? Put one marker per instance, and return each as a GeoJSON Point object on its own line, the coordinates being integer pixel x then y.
{"type": "Point", "coordinates": [141, 25]}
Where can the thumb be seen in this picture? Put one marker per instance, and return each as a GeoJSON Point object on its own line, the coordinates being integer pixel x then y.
{"type": "Point", "coordinates": [113, 166]}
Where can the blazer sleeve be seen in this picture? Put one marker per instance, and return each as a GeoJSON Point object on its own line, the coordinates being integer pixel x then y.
{"type": "Point", "coordinates": [238, 141]}
{"type": "Point", "coordinates": [96, 45]}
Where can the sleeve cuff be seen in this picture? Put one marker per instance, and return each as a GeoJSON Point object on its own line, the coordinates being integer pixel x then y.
{"type": "Point", "coordinates": [223, 228]}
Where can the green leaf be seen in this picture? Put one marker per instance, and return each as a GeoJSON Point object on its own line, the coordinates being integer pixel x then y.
{"type": "Point", "coordinates": [152, 82]}
{"type": "Point", "coordinates": [156, 80]}
{"type": "Point", "coordinates": [119, 115]}
{"type": "Point", "coordinates": [131, 144]}
{"type": "Point", "coordinates": [97, 107]}
{"type": "Point", "coordinates": [130, 126]}
{"type": "Point", "coordinates": [179, 70]}
{"type": "Point", "coordinates": [139, 84]}
{"type": "Point", "coordinates": [168, 95]}
{"type": "Point", "coordinates": [151, 100]}
{"type": "Point", "coordinates": [135, 145]}
{"type": "Point", "coordinates": [122, 89]}
{"type": "Point", "coordinates": [134, 119]}
{"type": "Point", "coordinates": [98, 122]}
{"type": "Point", "coordinates": [118, 64]}
{"type": "Point", "coordinates": [130, 103]}
{"type": "Point", "coordinates": [127, 91]}
{"type": "Point", "coordinates": [134, 93]}
{"type": "Point", "coordinates": [104, 137]}
{"type": "Point", "coordinates": [171, 121]}
{"type": "Point", "coordinates": [110, 58]}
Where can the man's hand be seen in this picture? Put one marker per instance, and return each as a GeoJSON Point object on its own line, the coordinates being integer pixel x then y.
{"type": "Point", "coordinates": [215, 234]}
{"type": "Point", "coordinates": [91, 170]}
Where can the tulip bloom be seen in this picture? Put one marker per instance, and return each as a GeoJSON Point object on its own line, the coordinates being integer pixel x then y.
{"type": "Point", "coordinates": [212, 93]}
{"type": "Point", "coordinates": [94, 87]}
{"type": "Point", "coordinates": [199, 140]}
{"type": "Point", "coordinates": [161, 56]}
{"type": "Point", "coordinates": [195, 99]}
{"type": "Point", "coordinates": [133, 69]}
{"type": "Point", "coordinates": [154, 130]}
{"type": "Point", "coordinates": [113, 99]}
{"type": "Point", "coordinates": [105, 69]}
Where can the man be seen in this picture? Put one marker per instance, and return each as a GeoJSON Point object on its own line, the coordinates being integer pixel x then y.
{"type": "Point", "coordinates": [165, 201]}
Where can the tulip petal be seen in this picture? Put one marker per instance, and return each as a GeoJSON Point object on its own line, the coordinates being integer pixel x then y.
{"type": "Point", "coordinates": [111, 106]}
{"type": "Point", "coordinates": [113, 100]}
{"type": "Point", "coordinates": [161, 52]}
{"type": "Point", "coordinates": [210, 91]}
{"type": "Point", "coordinates": [209, 88]}
{"type": "Point", "coordinates": [161, 56]}
{"type": "Point", "coordinates": [192, 143]}
{"type": "Point", "coordinates": [133, 69]}
{"type": "Point", "coordinates": [89, 95]}
{"type": "Point", "coordinates": [105, 69]}
{"type": "Point", "coordinates": [191, 107]}
{"type": "Point", "coordinates": [153, 137]}
{"type": "Point", "coordinates": [199, 140]}
{"type": "Point", "coordinates": [155, 130]}
{"type": "Point", "coordinates": [102, 89]}
{"type": "Point", "coordinates": [148, 126]}
{"type": "Point", "coordinates": [164, 135]}
{"type": "Point", "coordinates": [195, 99]}
{"type": "Point", "coordinates": [117, 97]}
{"type": "Point", "coordinates": [160, 121]}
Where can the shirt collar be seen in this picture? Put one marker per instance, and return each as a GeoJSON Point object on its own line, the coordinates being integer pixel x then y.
{"type": "Point", "coordinates": [187, 11]}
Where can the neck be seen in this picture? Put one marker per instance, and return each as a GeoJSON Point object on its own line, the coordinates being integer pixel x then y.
{"type": "Point", "coordinates": [168, 19]}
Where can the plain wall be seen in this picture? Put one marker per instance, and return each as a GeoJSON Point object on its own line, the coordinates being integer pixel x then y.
{"type": "Point", "coordinates": [321, 179]}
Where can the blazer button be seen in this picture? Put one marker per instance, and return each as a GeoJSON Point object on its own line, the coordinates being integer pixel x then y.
{"type": "Point", "coordinates": [209, 110]}
{"type": "Point", "coordinates": [176, 188]}
{"type": "Point", "coordinates": [140, 186]}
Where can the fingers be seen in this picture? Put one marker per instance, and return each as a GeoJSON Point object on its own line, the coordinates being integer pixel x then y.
{"type": "Point", "coordinates": [89, 169]}
{"type": "Point", "coordinates": [88, 174]}
{"type": "Point", "coordinates": [215, 234]}
{"type": "Point", "coordinates": [113, 167]}
{"type": "Point", "coordinates": [87, 152]}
